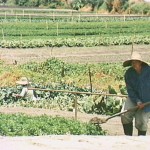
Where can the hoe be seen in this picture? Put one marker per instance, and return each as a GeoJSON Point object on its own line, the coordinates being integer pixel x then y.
{"type": "Point", "coordinates": [97, 120]}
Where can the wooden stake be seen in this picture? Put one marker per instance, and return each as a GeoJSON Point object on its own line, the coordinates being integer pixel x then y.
{"type": "Point", "coordinates": [75, 107]}
{"type": "Point", "coordinates": [132, 48]}
{"type": "Point", "coordinates": [57, 28]}
{"type": "Point", "coordinates": [3, 34]}
{"type": "Point", "coordinates": [90, 77]}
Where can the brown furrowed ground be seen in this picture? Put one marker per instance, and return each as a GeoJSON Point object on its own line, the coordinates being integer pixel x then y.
{"type": "Point", "coordinates": [74, 54]}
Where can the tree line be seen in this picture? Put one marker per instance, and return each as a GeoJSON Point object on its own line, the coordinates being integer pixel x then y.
{"type": "Point", "coordinates": [100, 6]}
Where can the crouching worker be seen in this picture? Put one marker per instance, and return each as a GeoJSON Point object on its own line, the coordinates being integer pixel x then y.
{"type": "Point", "coordinates": [137, 79]}
{"type": "Point", "coordinates": [25, 93]}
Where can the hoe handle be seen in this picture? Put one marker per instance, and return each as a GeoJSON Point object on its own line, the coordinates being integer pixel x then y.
{"type": "Point", "coordinates": [127, 110]}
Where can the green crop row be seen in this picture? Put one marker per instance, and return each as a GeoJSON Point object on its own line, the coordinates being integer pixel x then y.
{"type": "Point", "coordinates": [77, 18]}
{"type": "Point", "coordinates": [24, 35]}
{"type": "Point", "coordinates": [98, 26]}
{"type": "Point", "coordinates": [76, 42]}
{"type": "Point", "coordinates": [54, 74]}
{"type": "Point", "coordinates": [23, 125]}
{"type": "Point", "coordinates": [73, 32]}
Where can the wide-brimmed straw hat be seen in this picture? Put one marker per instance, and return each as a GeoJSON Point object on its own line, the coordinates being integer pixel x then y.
{"type": "Point", "coordinates": [134, 56]}
{"type": "Point", "coordinates": [23, 81]}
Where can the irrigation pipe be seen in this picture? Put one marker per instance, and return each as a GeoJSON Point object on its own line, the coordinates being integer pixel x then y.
{"type": "Point", "coordinates": [76, 92]}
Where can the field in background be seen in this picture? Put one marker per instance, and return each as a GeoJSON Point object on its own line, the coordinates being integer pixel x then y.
{"type": "Point", "coordinates": [29, 28]}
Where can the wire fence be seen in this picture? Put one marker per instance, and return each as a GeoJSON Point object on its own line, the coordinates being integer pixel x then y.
{"type": "Point", "coordinates": [71, 15]}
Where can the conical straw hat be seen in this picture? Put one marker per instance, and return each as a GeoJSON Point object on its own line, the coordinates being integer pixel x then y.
{"type": "Point", "coordinates": [134, 56]}
{"type": "Point", "coordinates": [23, 81]}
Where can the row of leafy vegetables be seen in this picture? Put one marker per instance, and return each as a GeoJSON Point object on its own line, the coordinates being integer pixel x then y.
{"type": "Point", "coordinates": [95, 104]}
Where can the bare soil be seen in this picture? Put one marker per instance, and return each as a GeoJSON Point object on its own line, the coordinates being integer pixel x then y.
{"type": "Point", "coordinates": [74, 54]}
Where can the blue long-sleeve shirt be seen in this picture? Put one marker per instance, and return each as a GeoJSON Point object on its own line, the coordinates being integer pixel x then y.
{"type": "Point", "coordinates": [138, 85]}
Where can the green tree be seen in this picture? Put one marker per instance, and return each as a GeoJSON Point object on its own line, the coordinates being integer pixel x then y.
{"type": "Point", "coordinates": [77, 4]}
{"type": "Point", "coordinates": [95, 3]}
{"type": "Point", "coordinates": [3, 1]}
{"type": "Point", "coordinates": [21, 2]}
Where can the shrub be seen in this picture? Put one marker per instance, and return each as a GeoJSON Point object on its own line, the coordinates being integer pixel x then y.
{"type": "Point", "coordinates": [140, 8]}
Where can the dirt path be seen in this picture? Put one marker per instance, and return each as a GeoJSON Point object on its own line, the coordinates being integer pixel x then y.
{"type": "Point", "coordinates": [70, 142]}
{"type": "Point", "coordinates": [74, 54]}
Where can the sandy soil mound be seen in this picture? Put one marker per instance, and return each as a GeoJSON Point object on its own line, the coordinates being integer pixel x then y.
{"type": "Point", "coordinates": [70, 142]}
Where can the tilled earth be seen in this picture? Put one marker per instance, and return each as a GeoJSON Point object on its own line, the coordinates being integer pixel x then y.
{"type": "Point", "coordinates": [74, 54]}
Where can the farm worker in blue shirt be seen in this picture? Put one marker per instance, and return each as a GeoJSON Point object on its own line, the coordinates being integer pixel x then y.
{"type": "Point", "coordinates": [137, 79]}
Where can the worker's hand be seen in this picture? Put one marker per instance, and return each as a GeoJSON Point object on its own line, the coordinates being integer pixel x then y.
{"type": "Point", "coordinates": [140, 105]}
